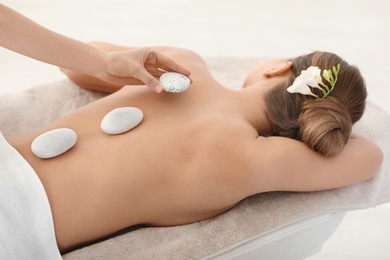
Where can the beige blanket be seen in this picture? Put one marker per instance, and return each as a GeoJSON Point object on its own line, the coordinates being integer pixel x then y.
{"type": "Point", "coordinates": [253, 217]}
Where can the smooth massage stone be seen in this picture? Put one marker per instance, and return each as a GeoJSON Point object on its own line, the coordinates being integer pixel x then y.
{"type": "Point", "coordinates": [53, 143]}
{"type": "Point", "coordinates": [174, 82]}
{"type": "Point", "coordinates": [121, 120]}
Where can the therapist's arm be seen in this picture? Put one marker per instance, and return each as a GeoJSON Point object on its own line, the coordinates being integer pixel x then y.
{"type": "Point", "coordinates": [22, 35]}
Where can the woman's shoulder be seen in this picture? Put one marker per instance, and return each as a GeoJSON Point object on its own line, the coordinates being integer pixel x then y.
{"type": "Point", "coordinates": [178, 53]}
{"type": "Point", "coordinates": [192, 60]}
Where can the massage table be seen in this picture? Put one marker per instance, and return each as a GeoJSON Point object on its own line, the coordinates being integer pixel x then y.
{"type": "Point", "coordinates": [273, 225]}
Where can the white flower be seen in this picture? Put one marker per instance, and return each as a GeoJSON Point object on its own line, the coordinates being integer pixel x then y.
{"type": "Point", "coordinates": [309, 77]}
{"type": "Point", "coordinates": [312, 76]}
{"type": "Point", "coordinates": [300, 87]}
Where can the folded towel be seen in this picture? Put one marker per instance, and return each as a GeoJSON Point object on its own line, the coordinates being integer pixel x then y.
{"type": "Point", "coordinates": [253, 217]}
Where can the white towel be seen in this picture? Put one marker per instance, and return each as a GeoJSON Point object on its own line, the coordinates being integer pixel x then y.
{"type": "Point", "coordinates": [26, 223]}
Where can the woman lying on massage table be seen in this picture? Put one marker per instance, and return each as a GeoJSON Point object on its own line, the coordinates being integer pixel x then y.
{"type": "Point", "coordinates": [198, 153]}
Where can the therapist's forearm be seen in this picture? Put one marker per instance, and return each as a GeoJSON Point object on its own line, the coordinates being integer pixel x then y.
{"type": "Point", "coordinates": [22, 35]}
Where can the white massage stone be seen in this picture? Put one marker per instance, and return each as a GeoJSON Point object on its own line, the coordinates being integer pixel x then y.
{"type": "Point", "coordinates": [53, 143]}
{"type": "Point", "coordinates": [174, 82]}
{"type": "Point", "coordinates": [121, 120]}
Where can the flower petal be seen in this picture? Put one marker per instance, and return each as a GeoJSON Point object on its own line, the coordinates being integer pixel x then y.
{"type": "Point", "coordinates": [301, 88]}
{"type": "Point", "coordinates": [312, 82]}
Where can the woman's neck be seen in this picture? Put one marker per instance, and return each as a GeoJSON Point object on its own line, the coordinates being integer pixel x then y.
{"type": "Point", "coordinates": [253, 107]}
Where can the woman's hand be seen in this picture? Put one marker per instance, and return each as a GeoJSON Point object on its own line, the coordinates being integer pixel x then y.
{"type": "Point", "coordinates": [137, 66]}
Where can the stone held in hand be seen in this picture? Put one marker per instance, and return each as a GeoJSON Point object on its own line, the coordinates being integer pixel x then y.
{"type": "Point", "coordinates": [121, 120]}
{"type": "Point", "coordinates": [53, 143]}
{"type": "Point", "coordinates": [174, 82]}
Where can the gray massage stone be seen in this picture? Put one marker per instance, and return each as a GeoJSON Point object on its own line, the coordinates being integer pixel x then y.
{"type": "Point", "coordinates": [53, 143]}
{"type": "Point", "coordinates": [121, 120]}
{"type": "Point", "coordinates": [174, 82]}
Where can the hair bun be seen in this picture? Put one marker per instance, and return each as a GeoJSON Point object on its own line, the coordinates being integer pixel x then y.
{"type": "Point", "coordinates": [324, 125]}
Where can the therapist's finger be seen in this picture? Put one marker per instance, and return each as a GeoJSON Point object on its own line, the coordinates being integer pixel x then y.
{"type": "Point", "coordinates": [150, 81]}
{"type": "Point", "coordinates": [168, 64]}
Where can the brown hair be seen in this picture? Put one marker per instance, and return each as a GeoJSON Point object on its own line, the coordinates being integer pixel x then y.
{"type": "Point", "coordinates": [324, 125]}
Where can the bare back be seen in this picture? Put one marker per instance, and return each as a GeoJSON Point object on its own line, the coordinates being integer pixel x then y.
{"type": "Point", "coordinates": [196, 154]}
{"type": "Point", "coordinates": [183, 163]}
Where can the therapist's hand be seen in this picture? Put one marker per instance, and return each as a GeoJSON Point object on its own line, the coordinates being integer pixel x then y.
{"type": "Point", "coordinates": [138, 66]}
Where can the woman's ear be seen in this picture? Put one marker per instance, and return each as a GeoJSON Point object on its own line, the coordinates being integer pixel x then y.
{"type": "Point", "coordinates": [279, 70]}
